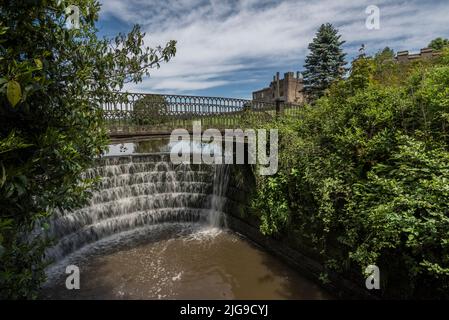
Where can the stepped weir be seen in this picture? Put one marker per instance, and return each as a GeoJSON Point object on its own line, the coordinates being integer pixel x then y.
{"type": "Point", "coordinates": [153, 229]}
{"type": "Point", "coordinates": [142, 190]}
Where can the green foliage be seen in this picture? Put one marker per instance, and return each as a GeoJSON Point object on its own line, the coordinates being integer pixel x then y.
{"type": "Point", "coordinates": [150, 110]}
{"type": "Point", "coordinates": [438, 43]}
{"type": "Point", "coordinates": [325, 63]}
{"type": "Point", "coordinates": [53, 80]}
{"type": "Point", "coordinates": [361, 73]}
{"type": "Point", "coordinates": [384, 55]}
{"type": "Point", "coordinates": [400, 212]}
{"type": "Point", "coordinates": [275, 216]}
{"type": "Point", "coordinates": [363, 176]}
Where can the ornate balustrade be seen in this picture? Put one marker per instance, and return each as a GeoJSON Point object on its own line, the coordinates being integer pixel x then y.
{"type": "Point", "coordinates": [138, 113]}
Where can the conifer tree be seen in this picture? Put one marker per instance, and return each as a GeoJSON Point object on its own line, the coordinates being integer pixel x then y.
{"type": "Point", "coordinates": [325, 63]}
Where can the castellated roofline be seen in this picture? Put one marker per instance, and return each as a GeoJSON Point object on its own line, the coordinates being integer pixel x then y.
{"type": "Point", "coordinates": [425, 53]}
{"type": "Point", "coordinates": [289, 89]}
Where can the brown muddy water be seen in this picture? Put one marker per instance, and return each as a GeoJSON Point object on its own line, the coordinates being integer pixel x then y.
{"type": "Point", "coordinates": [181, 261]}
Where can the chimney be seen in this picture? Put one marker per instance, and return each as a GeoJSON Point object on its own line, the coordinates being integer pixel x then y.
{"type": "Point", "coordinates": [277, 86]}
{"type": "Point", "coordinates": [427, 53]}
{"type": "Point", "coordinates": [402, 56]}
{"type": "Point", "coordinates": [289, 75]}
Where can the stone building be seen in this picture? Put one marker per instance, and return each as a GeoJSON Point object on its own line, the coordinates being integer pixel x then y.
{"type": "Point", "coordinates": [291, 89]}
{"type": "Point", "coordinates": [426, 53]}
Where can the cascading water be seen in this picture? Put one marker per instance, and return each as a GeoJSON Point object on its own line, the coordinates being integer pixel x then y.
{"type": "Point", "coordinates": [137, 191]}
{"type": "Point", "coordinates": [151, 231]}
{"type": "Point", "coordinates": [218, 201]}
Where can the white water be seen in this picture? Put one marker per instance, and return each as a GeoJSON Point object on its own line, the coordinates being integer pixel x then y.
{"type": "Point", "coordinates": [140, 191]}
{"type": "Point", "coordinates": [218, 202]}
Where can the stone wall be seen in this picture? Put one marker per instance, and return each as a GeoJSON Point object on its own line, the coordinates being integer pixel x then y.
{"type": "Point", "coordinates": [425, 53]}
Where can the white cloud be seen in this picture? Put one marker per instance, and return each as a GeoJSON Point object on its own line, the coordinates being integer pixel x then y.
{"type": "Point", "coordinates": [218, 38]}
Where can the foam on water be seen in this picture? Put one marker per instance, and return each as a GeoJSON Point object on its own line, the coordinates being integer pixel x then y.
{"type": "Point", "coordinates": [137, 196]}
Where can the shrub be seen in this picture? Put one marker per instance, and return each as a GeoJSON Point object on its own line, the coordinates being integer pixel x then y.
{"type": "Point", "coordinates": [53, 81]}
{"type": "Point", "coordinates": [150, 110]}
{"type": "Point", "coordinates": [363, 177]}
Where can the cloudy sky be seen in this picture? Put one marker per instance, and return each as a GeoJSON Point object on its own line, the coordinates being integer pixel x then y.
{"type": "Point", "coordinates": [233, 47]}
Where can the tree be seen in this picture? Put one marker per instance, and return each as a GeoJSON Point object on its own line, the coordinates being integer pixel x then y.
{"type": "Point", "coordinates": [363, 178]}
{"type": "Point", "coordinates": [438, 43]}
{"type": "Point", "coordinates": [326, 61]}
{"type": "Point", "coordinates": [387, 54]}
{"type": "Point", "coordinates": [362, 70]}
{"type": "Point", "coordinates": [152, 109]}
{"type": "Point", "coordinates": [53, 80]}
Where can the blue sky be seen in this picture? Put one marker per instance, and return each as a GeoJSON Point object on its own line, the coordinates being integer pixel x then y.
{"type": "Point", "coordinates": [231, 48]}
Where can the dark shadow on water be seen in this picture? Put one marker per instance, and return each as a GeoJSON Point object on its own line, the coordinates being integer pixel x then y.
{"type": "Point", "coordinates": [295, 286]}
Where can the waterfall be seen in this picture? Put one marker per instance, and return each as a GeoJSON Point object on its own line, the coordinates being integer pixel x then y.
{"type": "Point", "coordinates": [218, 202]}
{"type": "Point", "coordinates": [137, 191]}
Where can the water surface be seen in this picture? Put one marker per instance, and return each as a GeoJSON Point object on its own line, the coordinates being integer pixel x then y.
{"type": "Point", "coordinates": [186, 263]}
